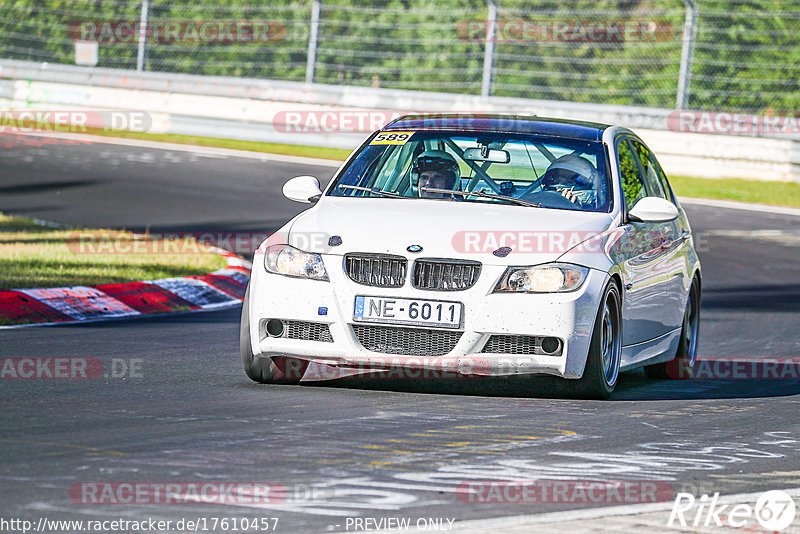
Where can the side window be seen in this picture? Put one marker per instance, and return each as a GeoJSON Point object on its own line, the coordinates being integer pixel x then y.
{"type": "Point", "coordinates": [632, 186]}
{"type": "Point", "coordinates": [652, 180]}
{"type": "Point", "coordinates": [664, 182]}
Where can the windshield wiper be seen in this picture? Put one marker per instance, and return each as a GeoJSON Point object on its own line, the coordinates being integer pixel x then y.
{"type": "Point", "coordinates": [374, 190]}
{"type": "Point", "coordinates": [481, 194]}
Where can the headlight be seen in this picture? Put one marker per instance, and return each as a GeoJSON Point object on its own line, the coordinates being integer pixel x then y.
{"type": "Point", "coordinates": [289, 261]}
{"type": "Point", "coordinates": [548, 278]}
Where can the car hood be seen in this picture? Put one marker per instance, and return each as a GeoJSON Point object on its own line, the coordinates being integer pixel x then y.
{"type": "Point", "coordinates": [444, 229]}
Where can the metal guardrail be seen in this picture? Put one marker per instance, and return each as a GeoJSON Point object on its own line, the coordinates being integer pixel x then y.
{"type": "Point", "coordinates": [333, 96]}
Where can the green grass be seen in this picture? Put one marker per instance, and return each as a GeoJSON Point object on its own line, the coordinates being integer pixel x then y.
{"type": "Point", "coordinates": [33, 256]}
{"type": "Point", "coordinates": [774, 193]}
{"type": "Point", "coordinates": [339, 154]}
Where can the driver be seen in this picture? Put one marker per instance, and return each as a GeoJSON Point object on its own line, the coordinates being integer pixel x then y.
{"type": "Point", "coordinates": [572, 177]}
{"type": "Point", "coordinates": [436, 169]}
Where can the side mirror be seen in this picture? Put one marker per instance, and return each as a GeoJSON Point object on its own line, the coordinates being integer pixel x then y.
{"type": "Point", "coordinates": [653, 209]}
{"type": "Point", "coordinates": [302, 189]}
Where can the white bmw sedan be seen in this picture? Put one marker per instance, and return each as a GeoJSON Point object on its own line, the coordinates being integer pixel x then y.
{"type": "Point", "coordinates": [479, 246]}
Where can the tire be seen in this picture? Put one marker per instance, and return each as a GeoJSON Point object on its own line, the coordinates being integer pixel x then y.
{"type": "Point", "coordinates": [682, 366]}
{"type": "Point", "coordinates": [265, 370]}
{"type": "Point", "coordinates": [605, 350]}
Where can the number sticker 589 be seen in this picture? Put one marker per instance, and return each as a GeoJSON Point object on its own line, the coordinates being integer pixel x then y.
{"type": "Point", "coordinates": [391, 138]}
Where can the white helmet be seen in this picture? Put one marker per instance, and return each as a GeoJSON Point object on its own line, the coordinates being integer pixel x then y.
{"type": "Point", "coordinates": [571, 168]}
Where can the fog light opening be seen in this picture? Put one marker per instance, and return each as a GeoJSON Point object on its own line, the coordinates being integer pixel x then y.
{"type": "Point", "coordinates": [551, 345]}
{"type": "Point", "coordinates": [275, 327]}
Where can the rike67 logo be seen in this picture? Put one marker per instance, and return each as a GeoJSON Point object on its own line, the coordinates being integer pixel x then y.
{"type": "Point", "coordinates": [774, 510]}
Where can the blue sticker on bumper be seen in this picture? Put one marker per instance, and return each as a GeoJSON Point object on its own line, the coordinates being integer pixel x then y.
{"type": "Point", "coordinates": [359, 310]}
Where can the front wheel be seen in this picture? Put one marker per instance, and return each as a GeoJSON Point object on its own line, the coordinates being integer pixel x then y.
{"type": "Point", "coordinates": [605, 350]}
{"type": "Point", "coordinates": [682, 366]}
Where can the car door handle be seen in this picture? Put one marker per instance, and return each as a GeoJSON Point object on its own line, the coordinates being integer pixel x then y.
{"type": "Point", "coordinates": [666, 242]}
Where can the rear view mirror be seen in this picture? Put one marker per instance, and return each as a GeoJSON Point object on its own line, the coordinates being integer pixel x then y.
{"type": "Point", "coordinates": [653, 209]}
{"type": "Point", "coordinates": [302, 189]}
{"type": "Point", "coordinates": [490, 155]}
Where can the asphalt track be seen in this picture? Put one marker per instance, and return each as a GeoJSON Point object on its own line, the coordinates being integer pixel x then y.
{"type": "Point", "coordinates": [365, 449]}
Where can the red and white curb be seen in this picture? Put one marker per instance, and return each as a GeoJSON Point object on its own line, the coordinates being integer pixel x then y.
{"type": "Point", "coordinates": [219, 289]}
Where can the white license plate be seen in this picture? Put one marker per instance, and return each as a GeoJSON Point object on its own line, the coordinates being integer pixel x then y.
{"type": "Point", "coordinates": [416, 312]}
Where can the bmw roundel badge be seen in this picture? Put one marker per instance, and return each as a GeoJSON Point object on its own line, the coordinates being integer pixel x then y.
{"type": "Point", "coordinates": [414, 248]}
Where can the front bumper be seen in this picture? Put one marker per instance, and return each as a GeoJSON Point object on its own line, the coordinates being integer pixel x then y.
{"type": "Point", "coordinates": [566, 316]}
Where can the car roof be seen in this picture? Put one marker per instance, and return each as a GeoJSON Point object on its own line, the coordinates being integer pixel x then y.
{"type": "Point", "coordinates": [482, 122]}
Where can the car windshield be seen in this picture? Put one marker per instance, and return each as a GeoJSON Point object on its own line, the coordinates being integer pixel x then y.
{"type": "Point", "coordinates": [495, 168]}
